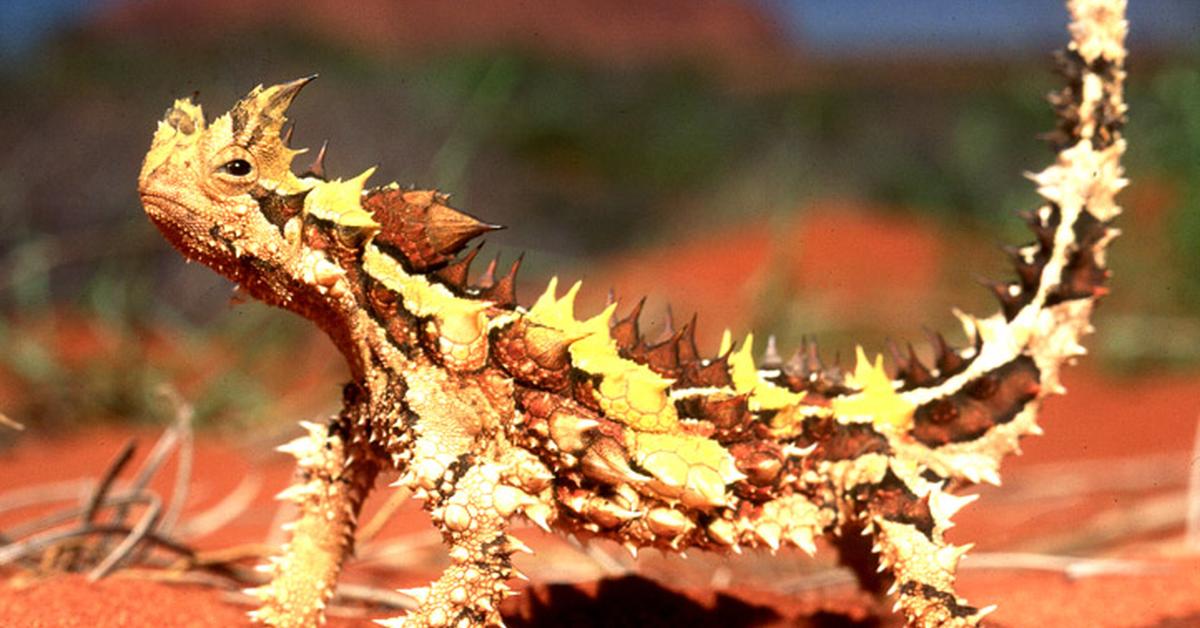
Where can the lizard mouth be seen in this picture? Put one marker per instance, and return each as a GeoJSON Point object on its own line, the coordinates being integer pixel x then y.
{"type": "Point", "coordinates": [182, 227]}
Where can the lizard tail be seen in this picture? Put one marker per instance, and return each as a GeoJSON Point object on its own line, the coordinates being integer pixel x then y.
{"type": "Point", "coordinates": [971, 412]}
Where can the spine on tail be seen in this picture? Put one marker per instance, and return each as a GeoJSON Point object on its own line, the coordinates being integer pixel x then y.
{"type": "Point", "coordinates": [966, 419]}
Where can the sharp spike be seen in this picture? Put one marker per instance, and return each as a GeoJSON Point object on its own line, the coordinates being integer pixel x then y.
{"type": "Point", "coordinates": [668, 325]}
{"type": "Point", "coordinates": [287, 134]}
{"type": "Point", "coordinates": [455, 274]}
{"type": "Point", "coordinates": [449, 229]}
{"type": "Point", "coordinates": [812, 356]}
{"type": "Point", "coordinates": [503, 292]}
{"type": "Point", "coordinates": [316, 169]}
{"type": "Point", "coordinates": [625, 331]}
{"type": "Point", "coordinates": [662, 357]}
{"type": "Point", "coordinates": [918, 373]}
{"type": "Point", "coordinates": [947, 360]}
{"type": "Point", "coordinates": [1030, 274]}
{"type": "Point", "coordinates": [488, 278]}
{"type": "Point", "coordinates": [714, 372]}
{"type": "Point", "coordinates": [1004, 291]}
{"type": "Point", "coordinates": [771, 358]}
{"type": "Point", "coordinates": [686, 345]}
{"type": "Point", "coordinates": [899, 366]}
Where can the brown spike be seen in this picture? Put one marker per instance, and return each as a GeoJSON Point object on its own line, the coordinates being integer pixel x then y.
{"type": "Point", "coordinates": [795, 365]}
{"type": "Point", "coordinates": [812, 356]}
{"type": "Point", "coordinates": [488, 278]}
{"type": "Point", "coordinates": [668, 325]}
{"type": "Point", "coordinates": [729, 414]}
{"type": "Point", "coordinates": [534, 355]}
{"type": "Point", "coordinates": [548, 347]}
{"type": "Point", "coordinates": [316, 169]}
{"type": "Point", "coordinates": [1009, 303]}
{"type": "Point", "coordinates": [449, 229]}
{"type": "Point", "coordinates": [1044, 232]}
{"type": "Point", "coordinates": [418, 226]}
{"type": "Point", "coordinates": [662, 357]}
{"type": "Point", "coordinates": [1030, 274]}
{"type": "Point", "coordinates": [947, 360]}
{"type": "Point", "coordinates": [771, 359]}
{"type": "Point", "coordinates": [685, 346]}
{"type": "Point", "coordinates": [899, 366]}
{"type": "Point", "coordinates": [625, 331]}
{"type": "Point", "coordinates": [1082, 278]}
{"type": "Point", "coordinates": [503, 292]}
{"type": "Point", "coordinates": [287, 134]}
{"type": "Point", "coordinates": [455, 273]}
{"type": "Point", "coordinates": [698, 374]}
{"type": "Point", "coordinates": [917, 373]}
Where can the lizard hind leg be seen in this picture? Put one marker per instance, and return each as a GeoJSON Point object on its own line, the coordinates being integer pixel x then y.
{"type": "Point", "coordinates": [905, 523]}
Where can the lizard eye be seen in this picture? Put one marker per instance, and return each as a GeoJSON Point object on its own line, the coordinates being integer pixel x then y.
{"type": "Point", "coordinates": [237, 167]}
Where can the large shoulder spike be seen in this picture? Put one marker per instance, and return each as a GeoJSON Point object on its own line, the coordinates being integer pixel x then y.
{"type": "Point", "coordinates": [419, 225]}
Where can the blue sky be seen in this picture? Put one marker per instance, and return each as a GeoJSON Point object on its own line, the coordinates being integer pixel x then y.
{"type": "Point", "coordinates": [828, 27]}
{"type": "Point", "coordinates": [841, 27]}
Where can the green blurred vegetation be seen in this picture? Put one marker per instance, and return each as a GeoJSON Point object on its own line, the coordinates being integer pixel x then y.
{"type": "Point", "coordinates": [582, 160]}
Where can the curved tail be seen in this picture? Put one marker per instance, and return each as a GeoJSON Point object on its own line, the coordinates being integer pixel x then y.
{"type": "Point", "coordinates": [969, 411]}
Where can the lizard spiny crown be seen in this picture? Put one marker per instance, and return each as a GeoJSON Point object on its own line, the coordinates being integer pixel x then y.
{"type": "Point", "coordinates": [492, 411]}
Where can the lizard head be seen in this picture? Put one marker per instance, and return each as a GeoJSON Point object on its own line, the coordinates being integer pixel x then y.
{"type": "Point", "coordinates": [222, 193]}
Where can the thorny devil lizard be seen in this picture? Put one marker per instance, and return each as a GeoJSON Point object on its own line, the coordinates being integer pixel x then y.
{"type": "Point", "coordinates": [491, 411]}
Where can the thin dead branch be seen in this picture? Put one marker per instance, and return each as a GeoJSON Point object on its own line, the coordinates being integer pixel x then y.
{"type": "Point", "coordinates": [219, 515]}
{"type": "Point", "coordinates": [62, 516]}
{"type": "Point", "coordinates": [9, 423]}
{"type": "Point", "coordinates": [394, 502]}
{"type": "Point", "coordinates": [106, 480]}
{"type": "Point", "coordinates": [149, 519]}
{"type": "Point", "coordinates": [184, 413]}
{"type": "Point", "coordinates": [29, 496]}
{"type": "Point", "coordinates": [21, 549]}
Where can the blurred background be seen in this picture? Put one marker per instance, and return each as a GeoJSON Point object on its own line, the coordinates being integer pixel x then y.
{"type": "Point", "coordinates": [843, 169]}
{"type": "Point", "coordinates": [839, 168]}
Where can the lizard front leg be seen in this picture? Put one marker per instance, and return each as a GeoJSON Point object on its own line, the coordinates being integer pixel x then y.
{"type": "Point", "coordinates": [470, 501]}
{"type": "Point", "coordinates": [332, 486]}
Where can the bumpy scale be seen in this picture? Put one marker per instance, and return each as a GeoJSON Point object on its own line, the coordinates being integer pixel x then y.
{"type": "Point", "coordinates": [492, 411]}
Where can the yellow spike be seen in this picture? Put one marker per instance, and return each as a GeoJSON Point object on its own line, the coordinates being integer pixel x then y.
{"type": "Point", "coordinates": [600, 322]}
{"type": "Point", "coordinates": [741, 365]}
{"type": "Point", "coordinates": [567, 303]}
{"type": "Point", "coordinates": [545, 302]}
{"type": "Point", "coordinates": [878, 400]}
{"type": "Point", "coordinates": [764, 395]}
{"type": "Point", "coordinates": [340, 202]}
{"type": "Point", "coordinates": [726, 343]}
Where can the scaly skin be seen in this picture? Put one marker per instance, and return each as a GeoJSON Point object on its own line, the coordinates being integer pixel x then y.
{"type": "Point", "coordinates": [493, 411]}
